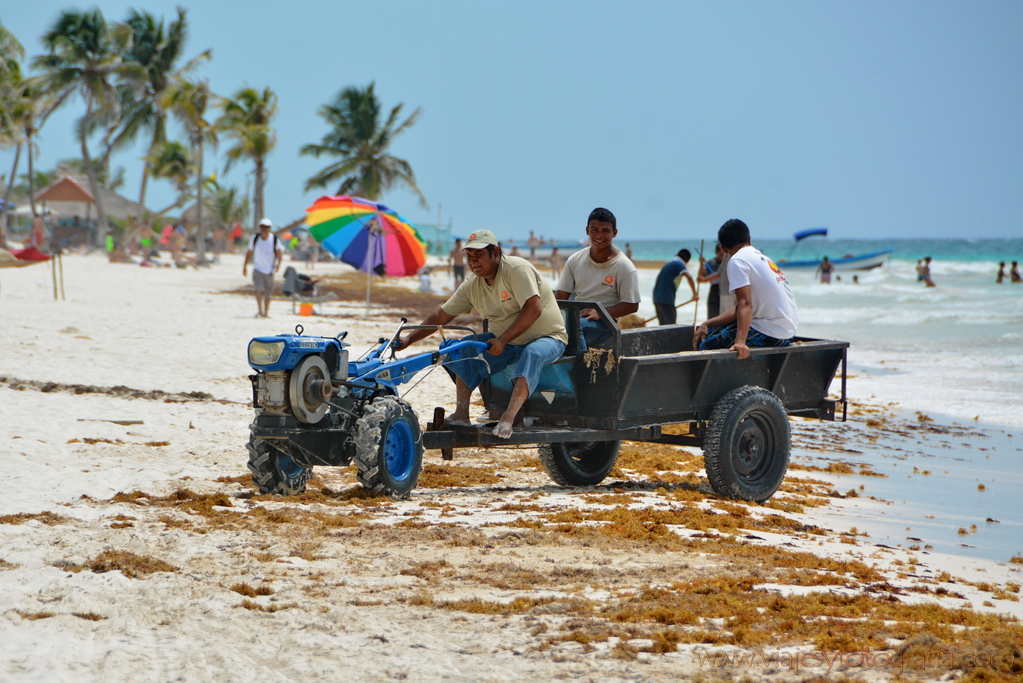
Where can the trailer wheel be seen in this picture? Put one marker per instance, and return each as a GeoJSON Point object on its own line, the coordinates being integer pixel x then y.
{"type": "Point", "coordinates": [746, 448]}
{"type": "Point", "coordinates": [584, 463]}
{"type": "Point", "coordinates": [389, 447]}
{"type": "Point", "coordinates": [273, 472]}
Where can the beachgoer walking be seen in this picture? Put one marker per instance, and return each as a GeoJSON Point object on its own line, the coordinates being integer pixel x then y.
{"type": "Point", "coordinates": [765, 309]}
{"type": "Point", "coordinates": [236, 237]}
{"type": "Point", "coordinates": [266, 254]}
{"type": "Point", "coordinates": [555, 261]}
{"type": "Point", "coordinates": [456, 259]}
{"type": "Point", "coordinates": [526, 327]}
{"type": "Point", "coordinates": [533, 243]}
{"type": "Point", "coordinates": [1001, 273]}
{"type": "Point", "coordinates": [601, 274]}
{"type": "Point", "coordinates": [312, 251]}
{"type": "Point", "coordinates": [666, 285]}
{"type": "Point", "coordinates": [1014, 275]}
{"type": "Point", "coordinates": [925, 272]}
{"type": "Point", "coordinates": [919, 270]}
{"type": "Point", "coordinates": [628, 251]}
{"type": "Point", "coordinates": [825, 269]}
{"type": "Point", "coordinates": [711, 271]}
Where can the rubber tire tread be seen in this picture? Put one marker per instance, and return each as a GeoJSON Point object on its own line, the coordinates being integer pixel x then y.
{"type": "Point", "coordinates": [267, 476]}
{"type": "Point", "coordinates": [732, 409]}
{"type": "Point", "coordinates": [372, 472]}
{"type": "Point", "coordinates": [562, 470]}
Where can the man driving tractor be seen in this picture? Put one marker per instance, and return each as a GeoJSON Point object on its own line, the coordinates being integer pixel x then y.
{"type": "Point", "coordinates": [526, 326]}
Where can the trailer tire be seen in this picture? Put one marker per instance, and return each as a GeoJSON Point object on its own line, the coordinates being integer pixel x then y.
{"type": "Point", "coordinates": [389, 447]}
{"type": "Point", "coordinates": [275, 473]}
{"type": "Point", "coordinates": [584, 463]}
{"type": "Point", "coordinates": [747, 444]}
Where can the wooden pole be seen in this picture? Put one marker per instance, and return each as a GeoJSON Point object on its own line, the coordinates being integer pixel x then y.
{"type": "Point", "coordinates": [696, 309]}
{"type": "Point", "coordinates": [60, 262]}
{"type": "Point", "coordinates": [53, 270]}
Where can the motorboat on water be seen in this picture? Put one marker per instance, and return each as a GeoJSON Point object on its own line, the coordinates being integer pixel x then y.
{"type": "Point", "coordinates": [873, 259]}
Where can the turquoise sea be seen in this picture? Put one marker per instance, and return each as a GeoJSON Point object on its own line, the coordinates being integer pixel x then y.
{"type": "Point", "coordinates": [816, 247]}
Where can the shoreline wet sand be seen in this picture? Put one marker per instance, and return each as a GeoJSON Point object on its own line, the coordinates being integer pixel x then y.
{"type": "Point", "coordinates": [130, 529]}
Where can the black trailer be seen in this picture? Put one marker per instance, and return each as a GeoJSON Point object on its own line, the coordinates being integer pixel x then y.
{"type": "Point", "coordinates": [645, 379]}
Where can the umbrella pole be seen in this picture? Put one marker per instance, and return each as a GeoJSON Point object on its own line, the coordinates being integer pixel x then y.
{"type": "Point", "coordinates": [60, 262]}
{"type": "Point", "coordinates": [367, 291]}
{"type": "Point", "coordinates": [53, 270]}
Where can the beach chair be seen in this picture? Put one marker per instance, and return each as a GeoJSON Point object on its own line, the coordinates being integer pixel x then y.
{"type": "Point", "coordinates": [301, 289]}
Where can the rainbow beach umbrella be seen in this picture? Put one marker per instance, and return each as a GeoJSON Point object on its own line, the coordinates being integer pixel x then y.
{"type": "Point", "coordinates": [367, 235]}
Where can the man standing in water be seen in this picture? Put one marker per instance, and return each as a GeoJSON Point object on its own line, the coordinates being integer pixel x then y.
{"type": "Point", "coordinates": [525, 322]}
{"type": "Point", "coordinates": [765, 310]}
{"type": "Point", "coordinates": [266, 254]}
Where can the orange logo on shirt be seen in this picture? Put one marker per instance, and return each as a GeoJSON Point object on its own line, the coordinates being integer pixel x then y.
{"type": "Point", "coordinates": [504, 295]}
{"type": "Point", "coordinates": [777, 270]}
{"type": "Point", "coordinates": [609, 279]}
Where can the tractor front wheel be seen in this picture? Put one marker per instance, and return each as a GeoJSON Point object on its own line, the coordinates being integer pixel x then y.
{"type": "Point", "coordinates": [389, 447]}
{"type": "Point", "coordinates": [273, 472]}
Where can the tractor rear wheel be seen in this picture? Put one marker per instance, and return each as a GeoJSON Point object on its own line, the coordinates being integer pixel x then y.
{"type": "Point", "coordinates": [746, 447]}
{"type": "Point", "coordinates": [584, 463]}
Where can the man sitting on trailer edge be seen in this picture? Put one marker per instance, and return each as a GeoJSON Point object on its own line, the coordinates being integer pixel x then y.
{"type": "Point", "coordinates": [526, 326]}
{"type": "Point", "coordinates": [765, 310]}
{"type": "Point", "coordinates": [602, 274]}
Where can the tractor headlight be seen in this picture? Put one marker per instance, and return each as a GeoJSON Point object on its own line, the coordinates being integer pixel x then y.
{"type": "Point", "coordinates": [265, 353]}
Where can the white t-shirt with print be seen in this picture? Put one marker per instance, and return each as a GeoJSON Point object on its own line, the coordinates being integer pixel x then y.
{"type": "Point", "coordinates": [263, 253]}
{"type": "Point", "coordinates": [608, 283]}
{"type": "Point", "coordinates": [774, 306]}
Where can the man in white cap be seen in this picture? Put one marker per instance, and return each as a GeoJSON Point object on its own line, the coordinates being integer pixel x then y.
{"type": "Point", "coordinates": [265, 253]}
{"type": "Point", "coordinates": [526, 326]}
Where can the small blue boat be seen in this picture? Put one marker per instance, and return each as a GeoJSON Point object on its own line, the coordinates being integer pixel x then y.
{"type": "Point", "coordinates": [866, 261]}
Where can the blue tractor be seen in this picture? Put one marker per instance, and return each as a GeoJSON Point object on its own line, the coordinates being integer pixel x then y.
{"type": "Point", "coordinates": [315, 406]}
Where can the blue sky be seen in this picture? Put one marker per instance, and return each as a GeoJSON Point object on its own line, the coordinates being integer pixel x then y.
{"type": "Point", "coordinates": [877, 119]}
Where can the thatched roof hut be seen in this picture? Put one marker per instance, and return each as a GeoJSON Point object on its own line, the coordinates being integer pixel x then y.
{"type": "Point", "coordinates": [67, 192]}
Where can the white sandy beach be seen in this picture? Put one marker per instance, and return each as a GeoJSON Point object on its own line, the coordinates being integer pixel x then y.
{"type": "Point", "coordinates": [333, 614]}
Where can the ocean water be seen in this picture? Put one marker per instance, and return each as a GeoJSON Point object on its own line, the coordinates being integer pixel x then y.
{"type": "Point", "coordinates": [957, 250]}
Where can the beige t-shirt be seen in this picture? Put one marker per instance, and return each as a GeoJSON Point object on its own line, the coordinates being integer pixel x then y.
{"type": "Point", "coordinates": [515, 282]}
{"type": "Point", "coordinates": [608, 283]}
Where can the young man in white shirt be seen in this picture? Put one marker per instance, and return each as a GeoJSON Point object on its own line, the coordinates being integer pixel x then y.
{"type": "Point", "coordinates": [265, 253]}
{"type": "Point", "coordinates": [765, 309]}
{"type": "Point", "coordinates": [602, 274]}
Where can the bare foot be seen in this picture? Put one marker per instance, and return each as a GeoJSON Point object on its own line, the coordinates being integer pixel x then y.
{"type": "Point", "coordinates": [457, 423]}
{"type": "Point", "coordinates": [503, 430]}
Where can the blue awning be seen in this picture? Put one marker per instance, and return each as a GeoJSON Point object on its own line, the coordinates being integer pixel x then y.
{"type": "Point", "coordinates": [810, 232]}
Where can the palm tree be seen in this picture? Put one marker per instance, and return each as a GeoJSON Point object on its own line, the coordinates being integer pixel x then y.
{"type": "Point", "coordinates": [83, 58]}
{"type": "Point", "coordinates": [11, 103]}
{"type": "Point", "coordinates": [189, 101]}
{"type": "Point", "coordinates": [172, 161]}
{"type": "Point", "coordinates": [156, 52]}
{"type": "Point", "coordinates": [227, 204]}
{"type": "Point", "coordinates": [360, 143]}
{"type": "Point", "coordinates": [246, 122]}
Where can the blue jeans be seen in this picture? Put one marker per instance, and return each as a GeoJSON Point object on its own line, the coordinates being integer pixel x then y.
{"type": "Point", "coordinates": [531, 359]}
{"type": "Point", "coordinates": [593, 332]}
{"type": "Point", "coordinates": [724, 337]}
